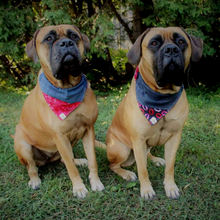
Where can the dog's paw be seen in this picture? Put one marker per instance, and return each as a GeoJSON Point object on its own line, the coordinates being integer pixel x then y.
{"type": "Point", "coordinates": [96, 185]}
{"type": "Point", "coordinates": [128, 175]}
{"type": "Point", "coordinates": [148, 193]}
{"type": "Point", "coordinates": [81, 162]}
{"type": "Point", "coordinates": [158, 161]}
{"type": "Point", "coordinates": [172, 191]}
{"type": "Point", "coordinates": [34, 183]}
{"type": "Point", "coordinates": [80, 191]}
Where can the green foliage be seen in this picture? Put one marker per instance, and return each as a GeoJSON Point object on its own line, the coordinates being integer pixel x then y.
{"type": "Point", "coordinates": [15, 25]}
{"type": "Point", "coordinates": [100, 31]}
{"type": "Point", "coordinates": [18, 22]}
{"type": "Point", "coordinates": [119, 59]}
{"type": "Point", "coordinates": [199, 17]}
{"type": "Point", "coordinates": [20, 19]}
{"type": "Point", "coordinates": [57, 12]}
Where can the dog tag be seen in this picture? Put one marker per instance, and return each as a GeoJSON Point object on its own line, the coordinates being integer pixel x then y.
{"type": "Point", "coordinates": [153, 120]}
{"type": "Point", "coordinates": [62, 116]}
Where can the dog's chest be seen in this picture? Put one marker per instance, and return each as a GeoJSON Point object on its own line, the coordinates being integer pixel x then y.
{"type": "Point", "coordinates": [76, 126]}
{"type": "Point", "coordinates": [163, 132]}
{"type": "Point", "coordinates": [76, 123]}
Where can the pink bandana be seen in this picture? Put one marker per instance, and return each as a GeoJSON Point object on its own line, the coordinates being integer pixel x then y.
{"type": "Point", "coordinates": [60, 108]}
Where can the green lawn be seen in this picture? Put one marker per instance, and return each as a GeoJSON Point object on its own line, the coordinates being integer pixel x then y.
{"type": "Point", "coordinates": [197, 171]}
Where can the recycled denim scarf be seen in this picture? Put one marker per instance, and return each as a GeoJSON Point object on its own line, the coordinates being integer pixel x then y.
{"type": "Point", "coordinates": [62, 101]}
{"type": "Point", "coordinates": [152, 104]}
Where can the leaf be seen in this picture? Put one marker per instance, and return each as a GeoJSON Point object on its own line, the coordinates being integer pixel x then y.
{"type": "Point", "coordinates": [114, 188]}
{"type": "Point", "coordinates": [131, 184]}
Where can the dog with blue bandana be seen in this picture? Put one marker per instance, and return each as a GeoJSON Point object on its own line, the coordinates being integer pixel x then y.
{"type": "Point", "coordinates": [155, 108]}
{"type": "Point", "coordinates": [60, 110]}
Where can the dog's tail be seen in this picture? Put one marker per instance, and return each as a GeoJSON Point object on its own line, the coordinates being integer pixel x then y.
{"type": "Point", "coordinates": [99, 144]}
{"type": "Point", "coordinates": [12, 136]}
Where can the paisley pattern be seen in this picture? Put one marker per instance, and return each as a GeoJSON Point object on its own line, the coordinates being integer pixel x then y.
{"type": "Point", "coordinates": [63, 101]}
{"type": "Point", "coordinates": [60, 108]}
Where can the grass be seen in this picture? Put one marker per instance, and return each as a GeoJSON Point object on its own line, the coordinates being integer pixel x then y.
{"type": "Point", "coordinates": [197, 170]}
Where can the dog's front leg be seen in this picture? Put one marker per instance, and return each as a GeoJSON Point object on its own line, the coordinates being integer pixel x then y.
{"type": "Point", "coordinates": [171, 147]}
{"type": "Point", "coordinates": [89, 147]}
{"type": "Point", "coordinates": [65, 149]}
{"type": "Point", "coordinates": [140, 153]}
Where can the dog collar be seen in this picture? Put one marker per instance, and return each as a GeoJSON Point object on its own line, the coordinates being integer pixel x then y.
{"type": "Point", "coordinates": [62, 101]}
{"type": "Point", "coordinates": [152, 104]}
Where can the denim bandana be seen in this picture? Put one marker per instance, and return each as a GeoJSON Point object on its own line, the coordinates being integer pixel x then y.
{"type": "Point", "coordinates": [152, 104]}
{"type": "Point", "coordinates": [62, 101]}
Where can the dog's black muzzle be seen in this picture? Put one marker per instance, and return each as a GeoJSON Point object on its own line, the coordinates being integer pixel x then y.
{"type": "Point", "coordinates": [65, 59]}
{"type": "Point", "coordinates": [170, 66]}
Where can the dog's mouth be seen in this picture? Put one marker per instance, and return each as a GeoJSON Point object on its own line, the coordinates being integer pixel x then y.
{"type": "Point", "coordinates": [69, 64]}
{"type": "Point", "coordinates": [170, 71]}
{"type": "Point", "coordinates": [172, 67]}
{"type": "Point", "coordinates": [68, 58]}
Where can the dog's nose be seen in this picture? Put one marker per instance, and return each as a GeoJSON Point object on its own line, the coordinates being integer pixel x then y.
{"type": "Point", "coordinates": [171, 49]}
{"type": "Point", "coordinates": [66, 43]}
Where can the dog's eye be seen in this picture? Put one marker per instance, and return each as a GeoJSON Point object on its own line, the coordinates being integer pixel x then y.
{"type": "Point", "coordinates": [49, 38]}
{"type": "Point", "coordinates": [181, 42]}
{"type": "Point", "coordinates": [154, 43]}
{"type": "Point", "coordinates": [74, 36]}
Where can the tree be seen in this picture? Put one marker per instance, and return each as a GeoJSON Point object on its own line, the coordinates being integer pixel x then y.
{"type": "Point", "coordinates": [20, 19]}
{"type": "Point", "coordinates": [199, 17]}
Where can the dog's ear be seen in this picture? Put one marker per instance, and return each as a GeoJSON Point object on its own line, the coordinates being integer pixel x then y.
{"type": "Point", "coordinates": [135, 53]}
{"type": "Point", "coordinates": [31, 48]}
{"type": "Point", "coordinates": [196, 47]}
{"type": "Point", "coordinates": [86, 43]}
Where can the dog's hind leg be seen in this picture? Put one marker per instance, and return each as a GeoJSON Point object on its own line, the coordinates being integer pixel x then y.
{"type": "Point", "coordinates": [26, 156]}
{"type": "Point", "coordinates": [78, 162]}
{"type": "Point", "coordinates": [156, 160]}
{"type": "Point", "coordinates": [120, 155]}
{"type": "Point", "coordinates": [130, 160]}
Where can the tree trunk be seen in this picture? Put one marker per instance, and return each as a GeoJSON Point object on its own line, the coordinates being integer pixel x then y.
{"type": "Point", "coordinates": [124, 24]}
{"type": "Point", "coordinates": [79, 4]}
{"type": "Point", "coordinates": [74, 8]}
{"type": "Point", "coordinates": [91, 10]}
{"type": "Point", "coordinates": [139, 14]}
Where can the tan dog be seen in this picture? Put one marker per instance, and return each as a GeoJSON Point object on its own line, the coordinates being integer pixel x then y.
{"type": "Point", "coordinates": [41, 136]}
{"type": "Point", "coordinates": [163, 55]}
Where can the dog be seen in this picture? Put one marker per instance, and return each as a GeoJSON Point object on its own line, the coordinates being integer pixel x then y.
{"type": "Point", "coordinates": [60, 110]}
{"type": "Point", "coordinates": [155, 108]}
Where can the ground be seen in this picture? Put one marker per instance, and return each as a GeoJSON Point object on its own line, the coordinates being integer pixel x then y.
{"type": "Point", "coordinates": [197, 170]}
